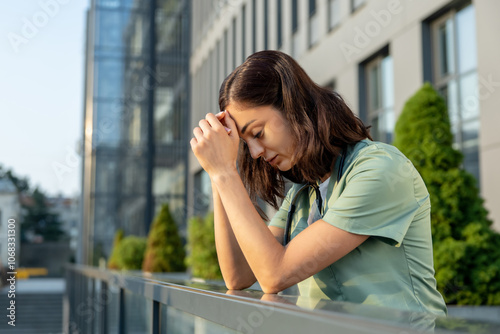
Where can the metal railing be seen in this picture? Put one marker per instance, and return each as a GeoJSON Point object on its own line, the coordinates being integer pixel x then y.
{"type": "Point", "coordinates": [104, 301]}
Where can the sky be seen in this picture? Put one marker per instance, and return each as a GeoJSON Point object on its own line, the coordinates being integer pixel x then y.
{"type": "Point", "coordinates": [42, 44]}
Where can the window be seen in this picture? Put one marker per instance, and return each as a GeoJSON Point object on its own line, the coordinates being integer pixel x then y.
{"type": "Point", "coordinates": [295, 28]}
{"type": "Point", "coordinates": [243, 32]}
{"type": "Point", "coordinates": [313, 23]}
{"type": "Point", "coordinates": [355, 4]}
{"type": "Point", "coordinates": [330, 85]}
{"type": "Point", "coordinates": [295, 18]}
{"type": "Point", "coordinates": [202, 189]}
{"type": "Point", "coordinates": [226, 58]}
{"type": "Point", "coordinates": [333, 13]}
{"type": "Point", "coordinates": [279, 23]}
{"type": "Point", "coordinates": [379, 97]}
{"type": "Point", "coordinates": [266, 25]}
{"type": "Point", "coordinates": [254, 26]}
{"type": "Point", "coordinates": [454, 66]}
{"type": "Point", "coordinates": [233, 46]}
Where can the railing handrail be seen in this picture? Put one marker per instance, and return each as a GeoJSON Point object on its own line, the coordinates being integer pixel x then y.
{"type": "Point", "coordinates": [244, 313]}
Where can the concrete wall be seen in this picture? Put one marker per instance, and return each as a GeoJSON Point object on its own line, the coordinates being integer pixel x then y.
{"type": "Point", "coordinates": [488, 53]}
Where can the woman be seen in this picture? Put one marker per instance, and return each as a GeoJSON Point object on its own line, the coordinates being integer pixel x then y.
{"type": "Point", "coordinates": [367, 240]}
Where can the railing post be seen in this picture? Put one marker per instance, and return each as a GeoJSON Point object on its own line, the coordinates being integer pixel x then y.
{"type": "Point", "coordinates": [121, 312]}
{"type": "Point", "coordinates": [155, 328]}
{"type": "Point", "coordinates": [94, 301]}
{"type": "Point", "coordinates": [104, 316]}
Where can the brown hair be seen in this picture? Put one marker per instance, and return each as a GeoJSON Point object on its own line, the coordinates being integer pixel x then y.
{"type": "Point", "coordinates": [320, 120]}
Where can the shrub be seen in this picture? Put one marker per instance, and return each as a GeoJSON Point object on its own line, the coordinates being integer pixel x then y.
{"type": "Point", "coordinates": [201, 244]}
{"type": "Point", "coordinates": [466, 249]}
{"type": "Point", "coordinates": [131, 253]}
{"type": "Point", "coordinates": [165, 251]}
{"type": "Point", "coordinates": [112, 263]}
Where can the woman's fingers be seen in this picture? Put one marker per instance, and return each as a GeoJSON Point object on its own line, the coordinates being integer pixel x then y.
{"type": "Point", "coordinates": [198, 133]}
{"type": "Point", "coordinates": [204, 125]}
{"type": "Point", "coordinates": [230, 124]}
{"type": "Point", "coordinates": [220, 118]}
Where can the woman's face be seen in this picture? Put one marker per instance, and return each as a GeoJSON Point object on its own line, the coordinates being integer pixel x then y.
{"type": "Point", "coordinates": [266, 132]}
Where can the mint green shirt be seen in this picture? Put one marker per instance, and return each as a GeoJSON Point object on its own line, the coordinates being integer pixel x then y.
{"type": "Point", "coordinates": [382, 195]}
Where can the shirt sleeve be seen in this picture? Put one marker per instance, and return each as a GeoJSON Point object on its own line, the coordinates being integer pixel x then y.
{"type": "Point", "coordinates": [378, 198]}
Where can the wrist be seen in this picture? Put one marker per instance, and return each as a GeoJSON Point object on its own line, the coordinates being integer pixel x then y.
{"type": "Point", "coordinates": [223, 178]}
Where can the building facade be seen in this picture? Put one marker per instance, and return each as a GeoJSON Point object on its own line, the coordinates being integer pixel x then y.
{"type": "Point", "coordinates": [10, 214]}
{"type": "Point", "coordinates": [135, 119]}
{"type": "Point", "coordinates": [376, 54]}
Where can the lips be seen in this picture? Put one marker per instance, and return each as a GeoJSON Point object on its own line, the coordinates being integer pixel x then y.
{"type": "Point", "coordinates": [273, 160]}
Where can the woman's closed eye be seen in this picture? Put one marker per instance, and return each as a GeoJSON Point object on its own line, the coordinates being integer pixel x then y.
{"type": "Point", "coordinates": [258, 135]}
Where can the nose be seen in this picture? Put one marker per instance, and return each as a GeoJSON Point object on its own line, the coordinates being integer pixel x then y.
{"type": "Point", "coordinates": [256, 149]}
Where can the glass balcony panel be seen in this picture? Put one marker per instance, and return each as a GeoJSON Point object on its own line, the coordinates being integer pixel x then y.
{"type": "Point", "coordinates": [113, 308]}
{"type": "Point", "coordinates": [174, 321]}
{"type": "Point", "coordinates": [138, 313]}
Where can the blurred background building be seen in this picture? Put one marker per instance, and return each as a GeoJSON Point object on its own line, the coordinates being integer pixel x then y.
{"type": "Point", "coordinates": [10, 209]}
{"type": "Point", "coordinates": [154, 69]}
{"type": "Point", "coordinates": [376, 54]}
{"type": "Point", "coordinates": [135, 118]}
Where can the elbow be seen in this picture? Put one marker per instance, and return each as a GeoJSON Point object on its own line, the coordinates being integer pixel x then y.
{"type": "Point", "coordinates": [270, 289]}
{"type": "Point", "coordinates": [237, 284]}
{"type": "Point", "coordinates": [272, 286]}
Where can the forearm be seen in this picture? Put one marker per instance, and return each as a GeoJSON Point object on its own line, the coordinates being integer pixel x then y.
{"type": "Point", "coordinates": [234, 267]}
{"type": "Point", "coordinates": [262, 252]}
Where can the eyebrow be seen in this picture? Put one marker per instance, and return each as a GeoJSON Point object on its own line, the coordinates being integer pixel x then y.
{"type": "Point", "coordinates": [246, 126]}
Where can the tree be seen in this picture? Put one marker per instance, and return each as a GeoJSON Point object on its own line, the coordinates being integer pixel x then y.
{"type": "Point", "coordinates": [37, 217]}
{"type": "Point", "coordinates": [21, 184]}
{"type": "Point", "coordinates": [131, 253]}
{"type": "Point", "coordinates": [466, 249]}
{"type": "Point", "coordinates": [113, 258]}
{"type": "Point", "coordinates": [40, 220]}
{"type": "Point", "coordinates": [201, 244]}
{"type": "Point", "coordinates": [165, 251]}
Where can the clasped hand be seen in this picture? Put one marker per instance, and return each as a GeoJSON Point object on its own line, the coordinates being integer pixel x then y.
{"type": "Point", "coordinates": [215, 143]}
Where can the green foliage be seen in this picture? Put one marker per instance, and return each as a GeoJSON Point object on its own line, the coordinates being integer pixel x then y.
{"type": "Point", "coordinates": [113, 258]}
{"type": "Point", "coordinates": [40, 220]}
{"type": "Point", "coordinates": [131, 253]}
{"type": "Point", "coordinates": [21, 184]}
{"type": "Point", "coordinates": [37, 216]}
{"type": "Point", "coordinates": [165, 252]}
{"type": "Point", "coordinates": [466, 249]}
{"type": "Point", "coordinates": [201, 243]}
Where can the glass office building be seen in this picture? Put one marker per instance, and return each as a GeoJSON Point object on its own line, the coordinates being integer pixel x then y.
{"type": "Point", "coordinates": [135, 119]}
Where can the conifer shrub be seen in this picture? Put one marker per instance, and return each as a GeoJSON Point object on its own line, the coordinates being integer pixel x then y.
{"type": "Point", "coordinates": [201, 244]}
{"type": "Point", "coordinates": [131, 253]}
{"type": "Point", "coordinates": [466, 249]}
{"type": "Point", "coordinates": [112, 263]}
{"type": "Point", "coordinates": [165, 251]}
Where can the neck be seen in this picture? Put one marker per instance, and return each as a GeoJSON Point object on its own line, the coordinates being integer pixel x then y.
{"type": "Point", "coordinates": [326, 176]}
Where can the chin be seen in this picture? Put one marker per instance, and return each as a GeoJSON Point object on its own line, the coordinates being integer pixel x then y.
{"type": "Point", "coordinates": [284, 167]}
